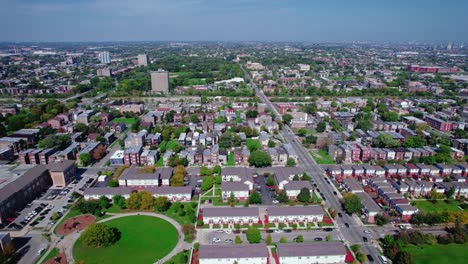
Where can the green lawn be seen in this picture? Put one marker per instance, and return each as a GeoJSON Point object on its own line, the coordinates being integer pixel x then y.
{"type": "Point", "coordinates": [144, 239]}
{"type": "Point", "coordinates": [182, 218]}
{"type": "Point", "coordinates": [322, 157]}
{"type": "Point", "coordinates": [160, 162]}
{"type": "Point", "coordinates": [171, 144]}
{"type": "Point", "coordinates": [128, 121]}
{"type": "Point", "coordinates": [253, 143]}
{"type": "Point", "coordinates": [72, 213]}
{"type": "Point", "coordinates": [438, 206]}
{"type": "Point", "coordinates": [438, 254]}
{"type": "Point", "coordinates": [181, 258]}
{"type": "Point", "coordinates": [230, 159]}
{"type": "Point", "coordinates": [196, 81]}
{"type": "Point", "coordinates": [54, 252]}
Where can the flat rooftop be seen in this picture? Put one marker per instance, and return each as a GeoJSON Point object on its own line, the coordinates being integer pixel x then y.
{"type": "Point", "coordinates": [9, 173]}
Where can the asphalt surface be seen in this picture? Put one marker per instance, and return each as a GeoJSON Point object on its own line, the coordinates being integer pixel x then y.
{"type": "Point", "coordinates": [352, 234]}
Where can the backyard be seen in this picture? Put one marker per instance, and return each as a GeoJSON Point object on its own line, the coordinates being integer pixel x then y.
{"type": "Point", "coordinates": [322, 157]}
{"type": "Point", "coordinates": [144, 239]}
{"type": "Point", "coordinates": [438, 205]}
{"type": "Point", "coordinates": [128, 121]}
{"type": "Point", "coordinates": [438, 254]}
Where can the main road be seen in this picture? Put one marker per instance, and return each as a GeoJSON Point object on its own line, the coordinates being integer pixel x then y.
{"type": "Point", "coordinates": [354, 233]}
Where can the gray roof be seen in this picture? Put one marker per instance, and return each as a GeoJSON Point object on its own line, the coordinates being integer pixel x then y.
{"type": "Point", "coordinates": [295, 210]}
{"type": "Point", "coordinates": [311, 249]}
{"type": "Point", "coordinates": [368, 202]}
{"type": "Point", "coordinates": [134, 174]}
{"type": "Point", "coordinates": [108, 191]}
{"type": "Point", "coordinates": [297, 185]}
{"type": "Point", "coordinates": [21, 182]}
{"type": "Point", "coordinates": [234, 186]}
{"type": "Point", "coordinates": [229, 211]}
{"type": "Point", "coordinates": [232, 251]}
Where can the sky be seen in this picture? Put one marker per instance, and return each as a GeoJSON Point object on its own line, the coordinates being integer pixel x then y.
{"type": "Point", "coordinates": [234, 20]}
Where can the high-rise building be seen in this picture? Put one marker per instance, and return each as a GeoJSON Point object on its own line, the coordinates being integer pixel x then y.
{"type": "Point", "coordinates": [104, 57]}
{"type": "Point", "coordinates": [104, 72]}
{"type": "Point", "coordinates": [142, 59]}
{"type": "Point", "coordinates": [160, 81]}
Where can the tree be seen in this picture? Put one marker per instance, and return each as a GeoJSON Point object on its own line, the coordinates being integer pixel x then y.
{"type": "Point", "coordinates": [287, 118]}
{"type": "Point", "coordinates": [304, 195]}
{"type": "Point", "coordinates": [113, 183]}
{"type": "Point", "coordinates": [302, 132]}
{"type": "Point", "coordinates": [271, 144]}
{"type": "Point", "coordinates": [54, 216]}
{"type": "Point", "coordinates": [259, 158]}
{"type": "Point", "coordinates": [361, 257]}
{"type": "Point", "coordinates": [147, 201]}
{"type": "Point", "coordinates": [99, 152]}
{"type": "Point", "coordinates": [321, 126]}
{"type": "Point", "coordinates": [390, 116]}
{"type": "Point", "coordinates": [134, 201]}
{"type": "Point", "coordinates": [449, 194]}
{"type": "Point", "coordinates": [238, 240]}
{"type": "Point", "coordinates": [381, 219]}
{"type": "Point", "coordinates": [217, 169]}
{"type": "Point", "coordinates": [89, 207]}
{"type": "Point", "coordinates": [253, 235]}
{"type": "Point", "coordinates": [169, 116]}
{"type": "Point", "coordinates": [85, 159]}
{"type": "Point", "coordinates": [270, 181]}
{"type": "Point", "coordinates": [179, 176]}
{"type": "Point", "coordinates": [282, 197]}
{"type": "Point", "coordinates": [386, 141]}
{"type": "Point", "coordinates": [268, 239]}
{"type": "Point", "coordinates": [100, 235]}
{"type": "Point", "coordinates": [119, 201]}
{"type": "Point", "coordinates": [290, 162]}
{"type": "Point", "coordinates": [414, 142]}
{"type": "Point", "coordinates": [55, 141]}
{"type": "Point", "coordinates": [356, 248]}
{"type": "Point", "coordinates": [403, 257]}
{"type": "Point", "coordinates": [207, 183]}
{"type": "Point", "coordinates": [300, 239]}
{"type": "Point", "coordinates": [162, 204]}
{"type": "Point", "coordinates": [189, 232]}
{"type": "Point", "coordinates": [328, 238]}
{"type": "Point", "coordinates": [283, 239]}
{"type": "Point", "coordinates": [251, 113]}
{"type": "Point", "coordinates": [255, 197]}
{"type": "Point", "coordinates": [104, 202]}
{"type": "Point", "coordinates": [194, 118]}
{"type": "Point", "coordinates": [352, 203]}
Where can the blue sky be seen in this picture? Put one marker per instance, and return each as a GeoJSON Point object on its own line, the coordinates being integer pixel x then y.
{"type": "Point", "coordinates": [226, 20]}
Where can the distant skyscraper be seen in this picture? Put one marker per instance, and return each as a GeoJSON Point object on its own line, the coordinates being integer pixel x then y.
{"type": "Point", "coordinates": [450, 46]}
{"type": "Point", "coordinates": [142, 60]}
{"type": "Point", "coordinates": [104, 57]}
{"type": "Point", "coordinates": [160, 81]}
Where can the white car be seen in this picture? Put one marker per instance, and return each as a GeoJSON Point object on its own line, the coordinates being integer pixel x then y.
{"type": "Point", "coordinates": [275, 201]}
{"type": "Point", "coordinates": [216, 240]}
{"type": "Point", "coordinates": [219, 231]}
{"type": "Point", "coordinates": [367, 231]}
{"type": "Point", "coordinates": [278, 231]}
{"type": "Point", "coordinates": [39, 252]}
{"type": "Point", "coordinates": [228, 231]}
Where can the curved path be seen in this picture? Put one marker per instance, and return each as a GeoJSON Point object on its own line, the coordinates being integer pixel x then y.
{"type": "Point", "coordinates": [66, 245]}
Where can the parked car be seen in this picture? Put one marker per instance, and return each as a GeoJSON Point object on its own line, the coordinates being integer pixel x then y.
{"type": "Point", "coordinates": [328, 229]}
{"type": "Point", "coordinates": [340, 215]}
{"type": "Point", "coordinates": [287, 230]}
{"type": "Point", "coordinates": [365, 239]}
{"type": "Point", "coordinates": [318, 239]}
{"type": "Point", "coordinates": [216, 240]}
{"type": "Point", "coordinates": [346, 224]}
{"type": "Point", "coordinates": [370, 258]}
{"type": "Point", "coordinates": [367, 231]}
{"type": "Point", "coordinates": [228, 241]}
{"type": "Point", "coordinates": [269, 231]}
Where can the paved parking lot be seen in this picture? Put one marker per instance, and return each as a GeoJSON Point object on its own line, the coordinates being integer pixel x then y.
{"type": "Point", "coordinates": [206, 236]}
{"type": "Point", "coordinates": [268, 195]}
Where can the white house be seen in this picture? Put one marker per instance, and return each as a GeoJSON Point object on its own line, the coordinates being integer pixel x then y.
{"type": "Point", "coordinates": [97, 192]}
{"type": "Point", "coordinates": [291, 214]}
{"type": "Point", "coordinates": [229, 254]}
{"type": "Point", "coordinates": [230, 215]}
{"type": "Point", "coordinates": [238, 189]}
{"type": "Point", "coordinates": [293, 188]}
{"type": "Point", "coordinates": [172, 193]}
{"type": "Point", "coordinates": [306, 253]}
{"type": "Point", "coordinates": [238, 174]}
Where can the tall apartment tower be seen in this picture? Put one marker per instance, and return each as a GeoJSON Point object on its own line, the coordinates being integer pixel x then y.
{"type": "Point", "coordinates": [142, 59]}
{"type": "Point", "coordinates": [160, 81]}
{"type": "Point", "coordinates": [104, 57]}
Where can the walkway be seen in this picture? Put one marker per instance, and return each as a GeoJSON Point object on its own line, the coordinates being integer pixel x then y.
{"type": "Point", "coordinates": [66, 244]}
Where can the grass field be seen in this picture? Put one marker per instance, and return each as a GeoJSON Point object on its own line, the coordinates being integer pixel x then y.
{"type": "Point", "coordinates": [230, 159]}
{"type": "Point", "coordinates": [144, 239]}
{"type": "Point", "coordinates": [128, 121]}
{"type": "Point", "coordinates": [438, 206]}
{"type": "Point", "coordinates": [322, 157]}
{"type": "Point", "coordinates": [253, 144]}
{"type": "Point", "coordinates": [438, 254]}
{"type": "Point", "coordinates": [182, 218]}
{"type": "Point", "coordinates": [54, 252]}
{"type": "Point", "coordinates": [171, 144]}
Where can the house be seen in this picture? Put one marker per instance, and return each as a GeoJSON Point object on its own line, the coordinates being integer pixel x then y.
{"type": "Point", "coordinates": [238, 174]}
{"type": "Point", "coordinates": [230, 215]}
{"type": "Point", "coordinates": [174, 194]}
{"type": "Point", "coordinates": [132, 155]}
{"type": "Point", "coordinates": [293, 188]}
{"type": "Point", "coordinates": [306, 253]}
{"type": "Point", "coordinates": [294, 214]}
{"type": "Point", "coordinates": [117, 159]}
{"type": "Point", "coordinates": [238, 189]}
{"type": "Point", "coordinates": [108, 192]}
{"type": "Point", "coordinates": [370, 207]}
{"type": "Point", "coordinates": [283, 175]}
{"type": "Point", "coordinates": [406, 211]}
{"type": "Point", "coordinates": [228, 254]}
{"type": "Point", "coordinates": [351, 185]}
{"type": "Point", "coordinates": [62, 173]}
{"type": "Point", "coordinates": [132, 177]}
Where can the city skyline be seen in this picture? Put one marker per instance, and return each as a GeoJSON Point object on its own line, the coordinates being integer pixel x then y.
{"type": "Point", "coordinates": [258, 20]}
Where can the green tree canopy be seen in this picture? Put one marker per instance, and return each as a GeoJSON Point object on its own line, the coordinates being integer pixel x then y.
{"type": "Point", "coordinates": [100, 235]}
{"type": "Point", "coordinates": [259, 158]}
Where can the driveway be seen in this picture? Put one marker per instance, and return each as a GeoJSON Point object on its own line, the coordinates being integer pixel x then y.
{"type": "Point", "coordinates": [266, 193]}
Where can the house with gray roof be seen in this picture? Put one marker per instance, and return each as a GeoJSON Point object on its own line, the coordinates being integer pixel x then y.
{"type": "Point", "coordinates": [305, 253]}
{"type": "Point", "coordinates": [228, 254]}
{"type": "Point", "coordinates": [294, 214]}
{"type": "Point", "coordinates": [230, 215]}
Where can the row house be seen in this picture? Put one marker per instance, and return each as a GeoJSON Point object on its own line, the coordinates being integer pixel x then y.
{"type": "Point", "coordinates": [117, 127]}
{"type": "Point", "coordinates": [295, 214]}
{"type": "Point", "coordinates": [282, 175]}
{"type": "Point", "coordinates": [352, 186]}
{"type": "Point", "coordinates": [228, 215]}
{"type": "Point", "coordinates": [228, 254]}
{"type": "Point", "coordinates": [238, 174]}
{"type": "Point", "coordinates": [439, 124]}
{"type": "Point", "coordinates": [153, 139]}
{"type": "Point", "coordinates": [370, 207]}
{"type": "Point", "coordinates": [174, 194]}
{"type": "Point", "coordinates": [132, 177]}
{"type": "Point", "coordinates": [293, 188]}
{"type": "Point", "coordinates": [239, 190]}
{"type": "Point", "coordinates": [305, 253]}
